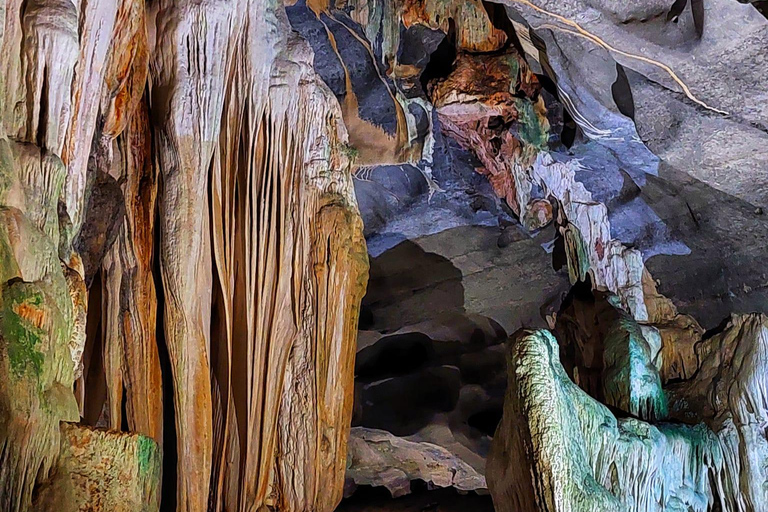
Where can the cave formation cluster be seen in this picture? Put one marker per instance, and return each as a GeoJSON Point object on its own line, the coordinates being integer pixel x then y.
{"type": "Point", "coordinates": [266, 255]}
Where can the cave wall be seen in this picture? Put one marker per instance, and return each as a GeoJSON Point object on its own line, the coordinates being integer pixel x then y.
{"type": "Point", "coordinates": [624, 200]}
{"type": "Point", "coordinates": [188, 190]}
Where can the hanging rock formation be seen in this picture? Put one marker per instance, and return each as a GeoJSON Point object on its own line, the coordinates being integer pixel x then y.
{"type": "Point", "coordinates": [210, 118]}
{"type": "Point", "coordinates": [193, 194]}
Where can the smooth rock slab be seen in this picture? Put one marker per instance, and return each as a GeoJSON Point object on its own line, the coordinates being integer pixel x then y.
{"type": "Point", "coordinates": [377, 458]}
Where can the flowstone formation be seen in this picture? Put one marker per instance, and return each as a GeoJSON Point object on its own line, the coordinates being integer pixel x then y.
{"type": "Point", "coordinates": [182, 261]}
{"type": "Point", "coordinates": [264, 255]}
{"type": "Point", "coordinates": [572, 453]}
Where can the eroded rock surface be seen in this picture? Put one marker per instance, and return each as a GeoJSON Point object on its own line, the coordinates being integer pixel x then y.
{"type": "Point", "coordinates": [103, 471]}
{"type": "Point", "coordinates": [578, 456]}
{"type": "Point", "coordinates": [572, 453]}
{"type": "Point", "coordinates": [728, 393]}
{"type": "Point", "coordinates": [379, 459]}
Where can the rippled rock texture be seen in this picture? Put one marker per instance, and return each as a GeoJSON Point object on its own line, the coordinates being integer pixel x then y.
{"type": "Point", "coordinates": [179, 170]}
{"type": "Point", "coordinates": [231, 230]}
{"type": "Point", "coordinates": [572, 453]}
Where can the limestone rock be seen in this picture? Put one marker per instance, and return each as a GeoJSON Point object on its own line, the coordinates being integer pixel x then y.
{"type": "Point", "coordinates": [37, 325]}
{"type": "Point", "coordinates": [474, 27]}
{"type": "Point", "coordinates": [387, 121]}
{"type": "Point", "coordinates": [643, 88]}
{"type": "Point", "coordinates": [728, 393]}
{"type": "Point", "coordinates": [378, 458]}
{"type": "Point", "coordinates": [571, 453]}
{"type": "Point", "coordinates": [611, 356]}
{"type": "Point", "coordinates": [103, 471]}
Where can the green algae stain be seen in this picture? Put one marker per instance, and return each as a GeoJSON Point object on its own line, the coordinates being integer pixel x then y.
{"type": "Point", "coordinates": [514, 73]}
{"type": "Point", "coordinates": [23, 338]}
{"type": "Point", "coordinates": [147, 455]}
{"type": "Point", "coordinates": [351, 152]}
{"type": "Point", "coordinates": [532, 131]}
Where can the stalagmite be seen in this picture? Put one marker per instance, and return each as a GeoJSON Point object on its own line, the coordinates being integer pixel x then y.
{"type": "Point", "coordinates": [571, 453]}
{"type": "Point", "coordinates": [103, 471]}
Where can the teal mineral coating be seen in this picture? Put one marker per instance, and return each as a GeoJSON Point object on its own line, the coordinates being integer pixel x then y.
{"type": "Point", "coordinates": [147, 454]}
{"type": "Point", "coordinates": [531, 129]}
{"type": "Point", "coordinates": [579, 457]}
{"type": "Point", "coordinates": [631, 381]}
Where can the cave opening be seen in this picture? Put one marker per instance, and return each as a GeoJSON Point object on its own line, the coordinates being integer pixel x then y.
{"type": "Point", "coordinates": [486, 420]}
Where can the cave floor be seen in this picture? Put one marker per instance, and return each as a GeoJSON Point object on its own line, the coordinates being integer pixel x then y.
{"type": "Point", "coordinates": [439, 500]}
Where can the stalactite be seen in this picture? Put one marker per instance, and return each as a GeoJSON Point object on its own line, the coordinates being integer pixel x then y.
{"type": "Point", "coordinates": [290, 265]}
{"type": "Point", "coordinates": [144, 405]}
{"type": "Point", "coordinates": [728, 392]}
{"type": "Point", "coordinates": [612, 357]}
{"type": "Point", "coordinates": [187, 95]}
{"type": "Point", "coordinates": [131, 358]}
{"type": "Point", "coordinates": [492, 106]}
